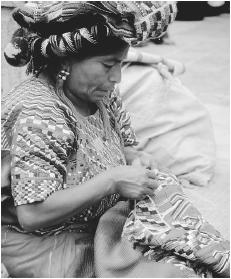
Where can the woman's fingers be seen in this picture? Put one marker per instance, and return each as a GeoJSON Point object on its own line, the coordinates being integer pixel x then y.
{"type": "Point", "coordinates": [151, 183]}
{"type": "Point", "coordinates": [149, 192]}
{"type": "Point", "coordinates": [146, 192]}
{"type": "Point", "coordinates": [151, 174]}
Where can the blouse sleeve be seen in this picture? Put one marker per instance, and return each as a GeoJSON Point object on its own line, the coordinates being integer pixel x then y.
{"type": "Point", "coordinates": [123, 119]}
{"type": "Point", "coordinates": [41, 141]}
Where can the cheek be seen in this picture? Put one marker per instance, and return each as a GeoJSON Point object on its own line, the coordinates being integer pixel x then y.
{"type": "Point", "coordinates": [86, 79]}
{"type": "Point", "coordinates": [95, 72]}
{"type": "Point", "coordinates": [78, 81]}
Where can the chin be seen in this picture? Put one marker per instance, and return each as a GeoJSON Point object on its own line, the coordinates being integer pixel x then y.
{"type": "Point", "coordinates": [102, 97]}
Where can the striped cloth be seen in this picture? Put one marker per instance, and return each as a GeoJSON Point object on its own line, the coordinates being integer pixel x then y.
{"type": "Point", "coordinates": [134, 20]}
{"type": "Point", "coordinates": [63, 28]}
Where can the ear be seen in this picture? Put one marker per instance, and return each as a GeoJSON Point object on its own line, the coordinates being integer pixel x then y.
{"type": "Point", "coordinates": [65, 65]}
{"type": "Point", "coordinates": [64, 70]}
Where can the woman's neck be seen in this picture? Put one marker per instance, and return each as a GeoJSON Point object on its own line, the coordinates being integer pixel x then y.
{"type": "Point", "coordinates": [83, 107]}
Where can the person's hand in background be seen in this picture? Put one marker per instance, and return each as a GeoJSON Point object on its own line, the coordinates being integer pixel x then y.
{"type": "Point", "coordinates": [166, 67]}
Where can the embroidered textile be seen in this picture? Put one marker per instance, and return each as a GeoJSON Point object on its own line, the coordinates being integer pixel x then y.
{"type": "Point", "coordinates": [168, 228]}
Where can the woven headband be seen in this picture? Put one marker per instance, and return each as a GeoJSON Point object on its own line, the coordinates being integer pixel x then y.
{"type": "Point", "coordinates": [51, 29]}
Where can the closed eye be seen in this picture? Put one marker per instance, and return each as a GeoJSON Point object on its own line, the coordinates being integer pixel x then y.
{"type": "Point", "coordinates": [107, 65]}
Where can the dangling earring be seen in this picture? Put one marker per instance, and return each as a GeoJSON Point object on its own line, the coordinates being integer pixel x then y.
{"type": "Point", "coordinates": [63, 74]}
{"type": "Point", "coordinates": [61, 77]}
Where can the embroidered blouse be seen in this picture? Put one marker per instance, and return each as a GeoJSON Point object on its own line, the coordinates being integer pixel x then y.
{"type": "Point", "coordinates": [52, 150]}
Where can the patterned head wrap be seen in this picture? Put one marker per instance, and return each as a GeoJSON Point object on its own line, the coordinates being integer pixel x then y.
{"type": "Point", "coordinates": [62, 28]}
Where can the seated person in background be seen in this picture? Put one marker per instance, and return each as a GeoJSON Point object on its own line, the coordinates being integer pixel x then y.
{"type": "Point", "coordinates": [71, 146]}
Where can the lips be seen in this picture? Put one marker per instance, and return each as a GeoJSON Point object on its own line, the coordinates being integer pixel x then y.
{"type": "Point", "coordinates": [103, 93]}
{"type": "Point", "coordinates": [107, 90]}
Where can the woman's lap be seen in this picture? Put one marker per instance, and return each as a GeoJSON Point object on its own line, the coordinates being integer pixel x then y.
{"type": "Point", "coordinates": [79, 255]}
{"type": "Point", "coordinates": [58, 256]}
{"type": "Point", "coordinates": [116, 257]}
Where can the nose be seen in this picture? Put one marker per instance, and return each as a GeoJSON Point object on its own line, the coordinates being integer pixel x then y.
{"type": "Point", "coordinates": [115, 73]}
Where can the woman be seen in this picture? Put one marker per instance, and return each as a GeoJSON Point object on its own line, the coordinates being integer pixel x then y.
{"type": "Point", "coordinates": [71, 144]}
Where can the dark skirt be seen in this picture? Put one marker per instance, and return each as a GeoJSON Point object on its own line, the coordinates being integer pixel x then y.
{"type": "Point", "coordinates": [72, 255]}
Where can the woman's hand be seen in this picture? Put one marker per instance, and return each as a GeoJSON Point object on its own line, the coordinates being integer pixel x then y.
{"type": "Point", "coordinates": [129, 181]}
{"type": "Point", "coordinates": [133, 182]}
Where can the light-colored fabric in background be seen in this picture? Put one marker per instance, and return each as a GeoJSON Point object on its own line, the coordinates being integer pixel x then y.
{"type": "Point", "coordinates": [170, 123]}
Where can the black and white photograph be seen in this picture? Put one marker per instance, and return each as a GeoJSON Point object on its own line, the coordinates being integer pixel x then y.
{"type": "Point", "coordinates": [115, 139]}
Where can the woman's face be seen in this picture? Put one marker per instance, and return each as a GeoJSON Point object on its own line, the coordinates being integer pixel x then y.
{"type": "Point", "coordinates": [92, 79]}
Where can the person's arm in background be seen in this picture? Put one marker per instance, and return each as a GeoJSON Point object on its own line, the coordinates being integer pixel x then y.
{"type": "Point", "coordinates": [165, 66]}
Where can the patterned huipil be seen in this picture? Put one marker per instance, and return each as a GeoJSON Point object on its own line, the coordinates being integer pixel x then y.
{"type": "Point", "coordinates": [52, 150]}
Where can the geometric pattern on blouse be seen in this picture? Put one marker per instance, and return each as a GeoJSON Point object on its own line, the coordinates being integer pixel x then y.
{"type": "Point", "coordinates": [123, 118]}
{"type": "Point", "coordinates": [50, 151]}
